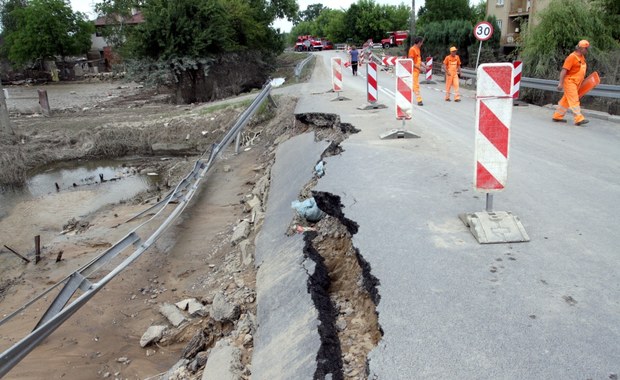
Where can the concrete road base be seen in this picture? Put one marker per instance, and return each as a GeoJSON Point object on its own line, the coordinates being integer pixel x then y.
{"type": "Point", "coordinates": [371, 106]}
{"type": "Point", "coordinates": [398, 134]}
{"type": "Point", "coordinates": [495, 227]}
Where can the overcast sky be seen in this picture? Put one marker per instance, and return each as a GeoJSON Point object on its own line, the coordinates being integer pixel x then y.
{"type": "Point", "coordinates": [87, 6]}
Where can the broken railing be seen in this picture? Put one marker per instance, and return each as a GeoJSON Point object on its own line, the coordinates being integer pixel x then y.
{"type": "Point", "coordinates": [60, 309]}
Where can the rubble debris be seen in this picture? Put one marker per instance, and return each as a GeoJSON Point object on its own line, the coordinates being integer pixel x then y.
{"type": "Point", "coordinates": [222, 310]}
{"type": "Point", "coordinates": [241, 232]}
{"type": "Point", "coordinates": [152, 335]}
{"type": "Point", "coordinates": [193, 307]}
{"type": "Point", "coordinates": [172, 314]}
{"type": "Point", "coordinates": [224, 362]}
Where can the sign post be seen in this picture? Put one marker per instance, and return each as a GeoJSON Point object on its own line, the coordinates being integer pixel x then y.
{"type": "Point", "coordinates": [482, 31]}
{"type": "Point", "coordinates": [493, 119]}
{"type": "Point", "coordinates": [403, 98]}
{"type": "Point", "coordinates": [372, 88]}
{"type": "Point", "coordinates": [337, 78]}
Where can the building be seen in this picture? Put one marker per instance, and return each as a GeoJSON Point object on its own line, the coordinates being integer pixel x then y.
{"type": "Point", "coordinates": [98, 42]}
{"type": "Point", "coordinates": [511, 14]}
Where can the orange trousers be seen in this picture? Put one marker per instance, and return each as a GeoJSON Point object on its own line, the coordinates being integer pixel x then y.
{"type": "Point", "coordinates": [570, 101]}
{"type": "Point", "coordinates": [416, 85]}
{"type": "Point", "coordinates": [452, 80]}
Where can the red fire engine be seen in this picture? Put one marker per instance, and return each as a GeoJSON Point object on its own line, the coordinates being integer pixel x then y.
{"type": "Point", "coordinates": [308, 43]}
{"type": "Point", "coordinates": [395, 39]}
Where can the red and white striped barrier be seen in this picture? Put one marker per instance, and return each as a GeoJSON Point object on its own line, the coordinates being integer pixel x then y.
{"type": "Point", "coordinates": [493, 117]}
{"type": "Point", "coordinates": [404, 89]}
{"type": "Point", "coordinates": [429, 69]}
{"type": "Point", "coordinates": [371, 75]}
{"type": "Point", "coordinates": [336, 74]}
{"type": "Point", "coordinates": [516, 83]}
{"type": "Point", "coordinates": [389, 61]}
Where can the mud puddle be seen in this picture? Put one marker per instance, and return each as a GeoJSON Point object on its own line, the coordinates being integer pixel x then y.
{"type": "Point", "coordinates": [63, 192]}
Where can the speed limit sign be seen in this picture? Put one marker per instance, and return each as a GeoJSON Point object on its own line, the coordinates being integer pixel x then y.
{"type": "Point", "coordinates": [483, 30]}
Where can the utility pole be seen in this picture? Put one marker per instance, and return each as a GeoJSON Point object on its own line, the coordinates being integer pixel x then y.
{"type": "Point", "coordinates": [5, 123]}
{"type": "Point", "coordinates": [412, 23]}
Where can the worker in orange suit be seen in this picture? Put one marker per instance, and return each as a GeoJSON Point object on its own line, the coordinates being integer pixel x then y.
{"type": "Point", "coordinates": [418, 66]}
{"type": "Point", "coordinates": [572, 74]}
{"type": "Point", "coordinates": [452, 68]}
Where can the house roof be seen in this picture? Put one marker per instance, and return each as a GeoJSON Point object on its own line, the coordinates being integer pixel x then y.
{"type": "Point", "coordinates": [107, 20]}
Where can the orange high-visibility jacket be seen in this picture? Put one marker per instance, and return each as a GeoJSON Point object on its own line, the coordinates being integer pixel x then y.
{"type": "Point", "coordinates": [575, 66]}
{"type": "Point", "coordinates": [452, 64]}
{"type": "Point", "coordinates": [414, 53]}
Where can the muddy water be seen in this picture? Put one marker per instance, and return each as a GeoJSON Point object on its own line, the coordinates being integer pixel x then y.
{"type": "Point", "coordinates": [120, 181]}
{"type": "Point", "coordinates": [41, 208]}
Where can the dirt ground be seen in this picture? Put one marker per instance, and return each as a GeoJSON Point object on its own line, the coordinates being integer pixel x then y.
{"type": "Point", "coordinates": [194, 258]}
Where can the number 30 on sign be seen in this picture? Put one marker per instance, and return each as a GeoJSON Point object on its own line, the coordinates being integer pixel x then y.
{"type": "Point", "coordinates": [483, 31]}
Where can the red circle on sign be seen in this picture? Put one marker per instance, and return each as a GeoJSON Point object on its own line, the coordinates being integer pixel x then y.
{"type": "Point", "coordinates": [483, 30]}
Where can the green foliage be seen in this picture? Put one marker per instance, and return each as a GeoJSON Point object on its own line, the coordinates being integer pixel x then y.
{"type": "Point", "coordinates": [182, 28]}
{"type": "Point", "coordinates": [562, 24]}
{"type": "Point", "coordinates": [363, 20]}
{"type": "Point", "coordinates": [8, 22]}
{"type": "Point", "coordinates": [478, 12]}
{"type": "Point", "coordinates": [366, 19]}
{"type": "Point", "coordinates": [610, 11]}
{"type": "Point", "coordinates": [46, 29]}
{"type": "Point", "coordinates": [440, 35]}
{"type": "Point", "coordinates": [443, 10]}
{"type": "Point", "coordinates": [311, 13]}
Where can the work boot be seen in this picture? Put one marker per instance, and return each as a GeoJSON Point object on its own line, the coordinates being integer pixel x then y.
{"type": "Point", "coordinates": [558, 120]}
{"type": "Point", "coordinates": [457, 100]}
{"type": "Point", "coordinates": [582, 122]}
{"type": "Point", "coordinates": [420, 103]}
{"type": "Point", "coordinates": [447, 99]}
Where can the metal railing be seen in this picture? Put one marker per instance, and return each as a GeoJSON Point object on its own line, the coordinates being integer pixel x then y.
{"type": "Point", "coordinates": [602, 90]}
{"type": "Point", "coordinates": [58, 312]}
{"type": "Point", "coordinates": [300, 66]}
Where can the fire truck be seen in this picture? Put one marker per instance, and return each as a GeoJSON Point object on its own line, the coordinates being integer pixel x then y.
{"type": "Point", "coordinates": [395, 39]}
{"type": "Point", "coordinates": [308, 43]}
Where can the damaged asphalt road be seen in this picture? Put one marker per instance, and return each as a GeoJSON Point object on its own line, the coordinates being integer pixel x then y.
{"type": "Point", "coordinates": [448, 307]}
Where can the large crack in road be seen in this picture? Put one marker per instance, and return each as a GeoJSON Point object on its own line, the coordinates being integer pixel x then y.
{"type": "Point", "coordinates": [343, 287]}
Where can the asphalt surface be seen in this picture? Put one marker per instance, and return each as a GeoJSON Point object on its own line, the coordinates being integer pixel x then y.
{"type": "Point", "coordinates": [452, 308]}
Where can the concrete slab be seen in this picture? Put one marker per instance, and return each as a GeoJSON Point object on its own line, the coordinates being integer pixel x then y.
{"type": "Point", "coordinates": [495, 227]}
{"type": "Point", "coordinates": [287, 339]}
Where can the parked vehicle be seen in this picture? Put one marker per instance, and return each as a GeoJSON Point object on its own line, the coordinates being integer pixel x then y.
{"type": "Point", "coordinates": [327, 45]}
{"type": "Point", "coordinates": [308, 43]}
{"type": "Point", "coordinates": [395, 39]}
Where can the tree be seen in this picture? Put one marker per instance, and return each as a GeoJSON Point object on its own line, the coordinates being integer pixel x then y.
{"type": "Point", "coordinates": [546, 45]}
{"type": "Point", "coordinates": [46, 29]}
{"type": "Point", "coordinates": [311, 13]}
{"type": "Point", "coordinates": [478, 11]}
{"type": "Point", "coordinates": [442, 10]}
{"type": "Point", "coordinates": [610, 10]}
{"type": "Point", "coordinates": [8, 21]}
{"type": "Point", "coordinates": [180, 39]}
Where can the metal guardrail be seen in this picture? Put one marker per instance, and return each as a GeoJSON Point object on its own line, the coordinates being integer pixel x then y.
{"type": "Point", "coordinates": [602, 90]}
{"type": "Point", "coordinates": [58, 312]}
{"type": "Point", "coordinates": [300, 66]}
